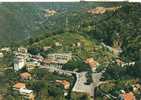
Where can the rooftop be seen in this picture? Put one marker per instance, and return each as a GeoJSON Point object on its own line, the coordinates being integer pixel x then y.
{"type": "Point", "coordinates": [25, 75]}
{"type": "Point", "coordinates": [19, 85]}
{"type": "Point", "coordinates": [65, 83]}
{"type": "Point", "coordinates": [91, 62]}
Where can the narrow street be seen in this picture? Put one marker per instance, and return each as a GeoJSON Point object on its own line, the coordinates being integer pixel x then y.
{"type": "Point", "coordinates": [96, 81]}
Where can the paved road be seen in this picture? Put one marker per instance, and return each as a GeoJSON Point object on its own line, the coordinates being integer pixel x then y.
{"type": "Point", "coordinates": [81, 79]}
{"type": "Point", "coordinates": [80, 85]}
{"type": "Point", "coordinates": [3, 69]}
{"type": "Point", "coordinates": [96, 78]}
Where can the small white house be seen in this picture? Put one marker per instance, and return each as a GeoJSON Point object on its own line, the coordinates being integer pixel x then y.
{"type": "Point", "coordinates": [1, 55]}
{"type": "Point", "coordinates": [128, 64]}
{"type": "Point", "coordinates": [25, 91]}
{"type": "Point", "coordinates": [6, 49]}
{"type": "Point", "coordinates": [78, 44]}
{"type": "Point", "coordinates": [28, 94]}
{"type": "Point", "coordinates": [22, 50]}
{"type": "Point", "coordinates": [58, 44]}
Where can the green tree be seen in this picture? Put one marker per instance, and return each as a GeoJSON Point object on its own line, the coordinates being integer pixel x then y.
{"type": "Point", "coordinates": [114, 71]}
{"type": "Point", "coordinates": [37, 86]}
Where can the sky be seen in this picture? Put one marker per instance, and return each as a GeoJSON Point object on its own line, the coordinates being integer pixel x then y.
{"type": "Point", "coordinates": [68, 0]}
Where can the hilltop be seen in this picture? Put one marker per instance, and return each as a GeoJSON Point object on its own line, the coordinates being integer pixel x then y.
{"type": "Point", "coordinates": [82, 46]}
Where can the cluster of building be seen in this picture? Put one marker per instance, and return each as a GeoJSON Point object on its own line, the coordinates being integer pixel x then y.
{"type": "Point", "coordinates": [54, 61]}
{"type": "Point", "coordinates": [49, 12]}
{"type": "Point", "coordinates": [102, 10]}
{"type": "Point", "coordinates": [21, 57]}
{"type": "Point", "coordinates": [115, 51]}
{"type": "Point", "coordinates": [21, 88]}
{"type": "Point", "coordinates": [4, 50]}
{"type": "Point", "coordinates": [122, 63]}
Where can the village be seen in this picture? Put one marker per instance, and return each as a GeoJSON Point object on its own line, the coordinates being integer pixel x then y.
{"type": "Point", "coordinates": [70, 51]}
{"type": "Point", "coordinates": [24, 63]}
{"type": "Point", "coordinates": [53, 63]}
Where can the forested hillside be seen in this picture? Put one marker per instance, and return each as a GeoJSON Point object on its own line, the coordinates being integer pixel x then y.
{"type": "Point", "coordinates": [119, 28]}
{"type": "Point", "coordinates": [20, 21]}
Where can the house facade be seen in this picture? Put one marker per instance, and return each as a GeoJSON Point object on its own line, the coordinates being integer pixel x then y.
{"type": "Point", "coordinates": [20, 57]}
{"type": "Point", "coordinates": [19, 63]}
{"type": "Point", "coordinates": [60, 58]}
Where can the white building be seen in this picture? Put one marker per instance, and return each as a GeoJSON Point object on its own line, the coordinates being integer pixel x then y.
{"type": "Point", "coordinates": [21, 56]}
{"type": "Point", "coordinates": [58, 44]}
{"type": "Point", "coordinates": [19, 63]}
{"type": "Point", "coordinates": [6, 49]}
{"type": "Point", "coordinates": [24, 55]}
{"type": "Point", "coordinates": [58, 66]}
{"type": "Point", "coordinates": [25, 91]}
{"type": "Point", "coordinates": [1, 55]}
{"type": "Point", "coordinates": [128, 64]}
{"type": "Point", "coordinates": [49, 12]}
{"type": "Point", "coordinates": [60, 58]}
{"type": "Point", "coordinates": [22, 50]}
